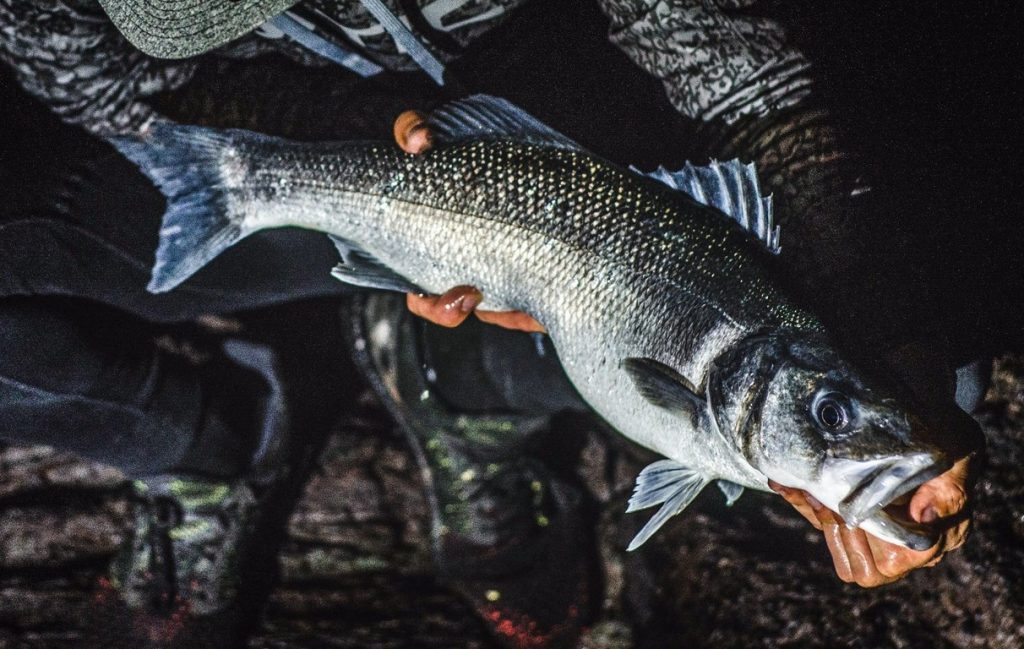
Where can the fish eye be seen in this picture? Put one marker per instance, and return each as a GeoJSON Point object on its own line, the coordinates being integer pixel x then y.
{"type": "Point", "coordinates": [831, 412]}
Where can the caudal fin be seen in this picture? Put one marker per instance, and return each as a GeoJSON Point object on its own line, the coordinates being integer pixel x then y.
{"type": "Point", "coordinates": [188, 164]}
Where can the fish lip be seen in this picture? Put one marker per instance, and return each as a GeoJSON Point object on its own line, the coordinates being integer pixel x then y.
{"type": "Point", "coordinates": [908, 533]}
{"type": "Point", "coordinates": [883, 486]}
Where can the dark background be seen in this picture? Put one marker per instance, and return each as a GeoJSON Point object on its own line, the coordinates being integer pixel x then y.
{"type": "Point", "coordinates": [933, 93]}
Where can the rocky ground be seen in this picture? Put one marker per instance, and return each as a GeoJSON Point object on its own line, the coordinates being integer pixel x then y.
{"type": "Point", "coordinates": [356, 570]}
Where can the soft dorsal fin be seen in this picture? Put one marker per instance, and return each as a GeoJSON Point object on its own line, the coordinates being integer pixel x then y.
{"type": "Point", "coordinates": [664, 387]}
{"type": "Point", "coordinates": [486, 117]}
{"type": "Point", "coordinates": [731, 187]}
{"type": "Point", "coordinates": [360, 268]}
{"type": "Point", "coordinates": [668, 482]}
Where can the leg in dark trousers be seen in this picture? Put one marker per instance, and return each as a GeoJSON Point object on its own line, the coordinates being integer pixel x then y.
{"type": "Point", "coordinates": [89, 379]}
{"type": "Point", "coordinates": [80, 369]}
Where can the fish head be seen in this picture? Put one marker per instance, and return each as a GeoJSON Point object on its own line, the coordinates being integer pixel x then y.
{"type": "Point", "coordinates": [808, 420]}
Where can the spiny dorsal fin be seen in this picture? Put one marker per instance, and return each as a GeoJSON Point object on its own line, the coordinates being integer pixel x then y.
{"type": "Point", "coordinates": [665, 481]}
{"type": "Point", "coordinates": [731, 187]}
{"type": "Point", "coordinates": [663, 387]}
{"type": "Point", "coordinates": [360, 268]}
{"type": "Point", "coordinates": [731, 490]}
{"type": "Point", "coordinates": [486, 117]}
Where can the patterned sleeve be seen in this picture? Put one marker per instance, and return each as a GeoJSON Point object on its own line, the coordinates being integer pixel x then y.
{"type": "Point", "coordinates": [70, 56]}
{"type": "Point", "coordinates": [716, 59]}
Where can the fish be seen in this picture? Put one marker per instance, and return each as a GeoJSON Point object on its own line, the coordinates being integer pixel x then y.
{"type": "Point", "coordinates": [658, 291]}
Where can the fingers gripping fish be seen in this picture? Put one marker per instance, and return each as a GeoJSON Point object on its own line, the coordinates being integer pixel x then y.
{"type": "Point", "coordinates": [657, 290]}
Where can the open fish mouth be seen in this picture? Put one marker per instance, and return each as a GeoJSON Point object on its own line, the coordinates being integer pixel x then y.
{"type": "Point", "coordinates": [894, 526]}
{"type": "Point", "coordinates": [873, 504]}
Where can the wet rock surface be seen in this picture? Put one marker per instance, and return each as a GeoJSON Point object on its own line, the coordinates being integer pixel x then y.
{"type": "Point", "coordinates": [356, 569]}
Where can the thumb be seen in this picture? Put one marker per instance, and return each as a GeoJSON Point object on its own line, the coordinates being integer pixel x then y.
{"type": "Point", "coordinates": [940, 497]}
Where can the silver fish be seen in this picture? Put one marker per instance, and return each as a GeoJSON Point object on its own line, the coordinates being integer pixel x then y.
{"type": "Point", "coordinates": [665, 312]}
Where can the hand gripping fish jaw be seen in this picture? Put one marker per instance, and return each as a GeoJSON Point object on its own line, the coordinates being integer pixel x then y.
{"type": "Point", "coordinates": [811, 421]}
{"type": "Point", "coordinates": [795, 412]}
{"type": "Point", "coordinates": [869, 505]}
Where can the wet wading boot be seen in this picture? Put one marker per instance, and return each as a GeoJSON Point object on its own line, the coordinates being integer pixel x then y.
{"type": "Point", "coordinates": [202, 556]}
{"type": "Point", "coordinates": [507, 534]}
{"type": "Point", "coordinates": [180, 574]}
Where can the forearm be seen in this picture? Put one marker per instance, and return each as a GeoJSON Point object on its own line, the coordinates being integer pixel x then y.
{"type": "Point", "coordinates": [716, 62]}
{"type": "Point", "coordinates": [844, 248]}
{"type": "Point", "coordinates": [815, 181]}
{"type": "Point", "coordinates": [291, 100]}
{"type": "Point", "coordinates": [752, 94]}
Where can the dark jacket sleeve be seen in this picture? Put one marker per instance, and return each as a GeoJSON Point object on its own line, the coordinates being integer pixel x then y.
{"type": "Point", "coordinates": [752, 93]}
{"type": "Point", "coordinates": [716, 61]}
{"type": "Point", "coordinates": [67, 54]}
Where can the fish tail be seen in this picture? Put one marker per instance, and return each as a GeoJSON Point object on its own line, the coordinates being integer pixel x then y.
{"type": "Point", "coordinates": [196, 168]}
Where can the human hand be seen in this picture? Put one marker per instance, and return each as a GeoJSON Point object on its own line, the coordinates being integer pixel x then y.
{"type": "Point", "coordinates": [455, 305]}
{"type": "Point", "coordinates": [868, 561]}
{"type": "Point", "coordinates": [411, 132]}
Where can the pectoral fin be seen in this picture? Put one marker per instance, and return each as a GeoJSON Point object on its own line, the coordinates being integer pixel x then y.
{"type": "Point", "coordinates": [664, 387]}
{"type": "Point", "coordinates": [668, 482]}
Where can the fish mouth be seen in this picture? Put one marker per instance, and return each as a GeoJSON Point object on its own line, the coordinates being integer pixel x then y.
{"type": "Point", "coordinates": [894, 526]}
{"type": "Point", "coordinates": [872, 504]}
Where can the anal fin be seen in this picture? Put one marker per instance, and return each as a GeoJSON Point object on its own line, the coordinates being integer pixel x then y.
{"type": "Point", "coordinates": [360, 268]}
